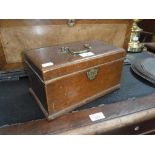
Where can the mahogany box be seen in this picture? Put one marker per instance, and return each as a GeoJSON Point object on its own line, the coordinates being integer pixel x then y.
{"type": "Point", "coordinates": [66, 76]}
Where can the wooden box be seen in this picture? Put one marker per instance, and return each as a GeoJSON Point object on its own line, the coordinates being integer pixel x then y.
{"type": "Point", "coordinates": [66, 76]}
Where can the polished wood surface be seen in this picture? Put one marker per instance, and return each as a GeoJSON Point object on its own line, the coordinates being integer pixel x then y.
{"type": "Point", "coordinates": [118, 116]}
{"type": "Point", "coordinates": [69, 86]}
{"type": "Point", "coordinates": [19, 35]}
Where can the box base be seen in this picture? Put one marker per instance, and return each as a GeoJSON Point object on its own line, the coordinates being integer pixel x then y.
{"type": "Point", "coordinates": [66, 110]}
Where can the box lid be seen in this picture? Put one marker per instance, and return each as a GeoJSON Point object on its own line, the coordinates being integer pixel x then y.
{"type": "Point", "coordinates": [56, 61]}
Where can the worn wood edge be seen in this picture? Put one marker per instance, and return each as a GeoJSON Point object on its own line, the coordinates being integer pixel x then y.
{"type": "Point", "coordinates": [39, 102]}
{"type": "Point", "coordinates": [66, 110]}
{"type": "Point", "coordinates": [109, 125]}
{"type": "Point", "coordinates": [33, 70]}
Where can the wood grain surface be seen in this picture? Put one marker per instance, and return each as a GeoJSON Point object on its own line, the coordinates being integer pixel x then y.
{"type": "Point", "coordinates": [19, 35]}
{"type": "Point", "coordinates": [68, 85]}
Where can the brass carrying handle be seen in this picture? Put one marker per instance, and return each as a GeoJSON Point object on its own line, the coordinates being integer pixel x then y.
{"type": "Point", "coordinates": [74, 52]}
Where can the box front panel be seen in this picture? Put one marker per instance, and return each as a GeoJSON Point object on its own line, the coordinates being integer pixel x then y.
{"type": "Point", "coordinates": [73, 89]}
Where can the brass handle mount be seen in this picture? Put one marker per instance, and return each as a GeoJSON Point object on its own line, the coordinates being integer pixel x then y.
{"type": "Point", "coordinates": [74, 52]}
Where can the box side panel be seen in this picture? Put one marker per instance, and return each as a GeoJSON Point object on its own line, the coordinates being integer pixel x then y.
{"type": "Point", "coordinates": [38, 88]}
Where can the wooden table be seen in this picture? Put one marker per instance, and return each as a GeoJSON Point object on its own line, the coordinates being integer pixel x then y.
{"type": "Point", "coordinates": [131, 116]}
{"type": "Point", "coordinates": [134, 116]}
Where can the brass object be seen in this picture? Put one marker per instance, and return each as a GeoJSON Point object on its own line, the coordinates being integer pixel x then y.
{"type": "Point", "coordinates": [87, 46]}
{"type": "Point", "coordinates": [74, 52]}
{"type": "Point", "coordinates": [134, 44]}
{"type": "Point", "coordinates": [92, 73]}
{"type": "Point", "coordinates": [71, 22]}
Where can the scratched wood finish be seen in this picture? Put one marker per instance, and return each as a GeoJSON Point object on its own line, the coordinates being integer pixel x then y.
{"type": "Point", "coordinates": [18, 35]}
{"type": "Point", "coordinates": [120, 118]}
{"type": "Point", "coordinates": [65, 85]}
